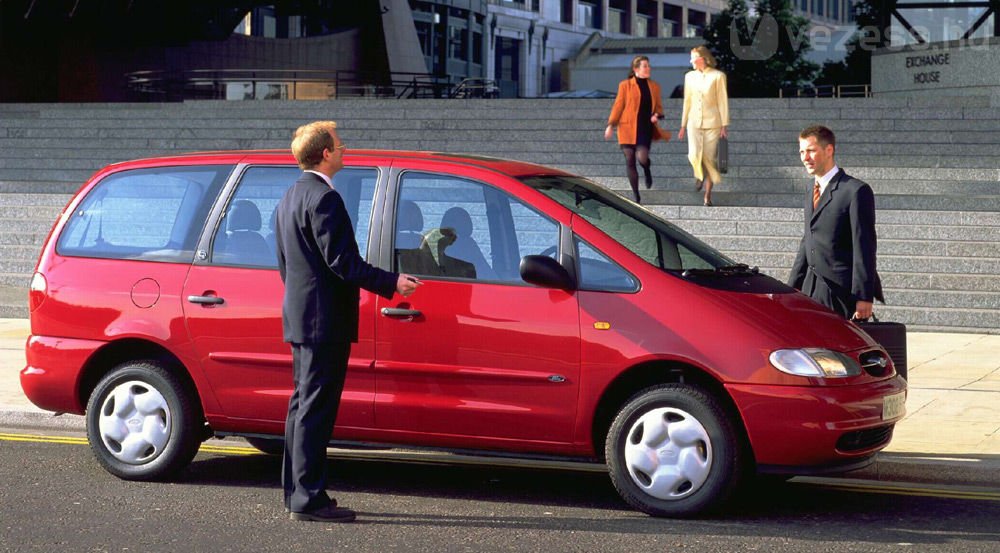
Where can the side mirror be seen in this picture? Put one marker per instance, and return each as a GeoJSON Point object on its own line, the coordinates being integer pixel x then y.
{"type": "Point", "coordinates": [542, 270]}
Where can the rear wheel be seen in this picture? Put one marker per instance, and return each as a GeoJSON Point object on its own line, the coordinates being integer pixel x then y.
{"type": "Point", "coordinates": [673, 452]}
{"type": "Point", "coordinates": [142, 422]}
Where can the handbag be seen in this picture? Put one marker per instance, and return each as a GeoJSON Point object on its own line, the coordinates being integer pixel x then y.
{"type": "Point", "coordinates": [892, 337]}
{"type": "Point", "coordinates": [722, 155]}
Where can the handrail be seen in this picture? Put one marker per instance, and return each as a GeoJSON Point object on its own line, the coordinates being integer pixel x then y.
{"type": "Point", "coordinates": [827, 91]}
{"type": "Point", "coordinates": [284, 83]}
{"type": "Point", "coordinates": [476, 87]}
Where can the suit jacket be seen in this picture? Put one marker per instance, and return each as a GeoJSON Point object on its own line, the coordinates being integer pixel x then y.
{"type": "Point", "coordinates": [706, 100]}
{"type": "Point", "coordinates": [839, 241]}
{"type": "Point", "coordinates": [625, 111]}
{"type": "Point", "coordinates": [320, 265]}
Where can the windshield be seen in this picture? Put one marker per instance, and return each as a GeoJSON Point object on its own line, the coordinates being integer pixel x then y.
{"type": "Point", "coordinates": [660, 243]}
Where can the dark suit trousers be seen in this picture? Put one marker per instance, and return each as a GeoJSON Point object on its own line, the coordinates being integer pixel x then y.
{"type": "Point", "coordinates": [319, 372]}
{"type": "Point", "coordinates": [829, 294]}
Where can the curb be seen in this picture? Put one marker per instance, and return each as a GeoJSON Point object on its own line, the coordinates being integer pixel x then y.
{"type": "Point", "coordinates": [956, 470]}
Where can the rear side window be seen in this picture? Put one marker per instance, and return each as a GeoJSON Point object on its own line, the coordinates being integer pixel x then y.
{"type": "Point", "coordinates": [145, 214]}
{"type": "Point", "coordinates": [245, 237]}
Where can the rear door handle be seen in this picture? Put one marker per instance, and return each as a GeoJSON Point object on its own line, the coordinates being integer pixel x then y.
{"type": "Point", "coordinates": [207, 300]}
{"type": "Point", "coordinates": [399, 313]}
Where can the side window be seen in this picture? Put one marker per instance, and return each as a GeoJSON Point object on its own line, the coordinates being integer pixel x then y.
{"type": "Point", "coordinates": [245, 237]}
{"type": "Point", "coordinates": [599, 273]}
{"type": "Point", "coordinates": [457, 228]}
{"type": "Point", "coordinates": [148, 214]}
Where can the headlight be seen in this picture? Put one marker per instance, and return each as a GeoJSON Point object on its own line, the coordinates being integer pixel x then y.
{"type": "Point", "coordinates": [816, 363]}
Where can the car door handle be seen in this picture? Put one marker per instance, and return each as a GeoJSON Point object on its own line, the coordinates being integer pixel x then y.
{"type": "Point", "coordinates": [206, 300]}
{"type": "Point", "coordinates": [399, 313]}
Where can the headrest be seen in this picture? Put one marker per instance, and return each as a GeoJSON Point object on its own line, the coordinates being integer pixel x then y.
{"type": "Point", "coordinates": [244, 215]}
{"type": "Point", "coordinates": [410, 217]}
{"type": "Point", "coordinates": [458, 219]}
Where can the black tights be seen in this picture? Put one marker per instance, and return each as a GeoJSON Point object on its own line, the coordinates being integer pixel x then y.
{"type": "Point", "coordinates": [640, 153]}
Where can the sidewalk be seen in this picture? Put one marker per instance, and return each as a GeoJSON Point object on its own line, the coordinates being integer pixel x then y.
{"type": "Point", "coordinates": [950, 435]}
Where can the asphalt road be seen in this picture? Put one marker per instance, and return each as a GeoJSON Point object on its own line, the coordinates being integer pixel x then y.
{"type": "Point", "coordinates": [54, 497]}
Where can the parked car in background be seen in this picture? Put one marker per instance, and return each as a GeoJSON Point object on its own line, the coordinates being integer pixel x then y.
{"type": "Point", "coordinates": [557, 319]}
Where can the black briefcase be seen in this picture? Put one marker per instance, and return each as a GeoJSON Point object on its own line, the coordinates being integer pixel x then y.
{"type": "Point", "coordinates": [892, 337]}
{"type": "Point", "coordinates": [722, 155]}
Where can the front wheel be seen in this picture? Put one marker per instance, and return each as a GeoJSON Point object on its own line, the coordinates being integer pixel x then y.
{"type": "Point", "coordinates": [673, 452]}
{"type": "Point", "coordinates": [142, 422]}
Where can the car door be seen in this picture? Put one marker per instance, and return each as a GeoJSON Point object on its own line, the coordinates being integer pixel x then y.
{"type": "Point", "coordinates": [233, 305]}
{"type": "Point", "coordinates": [476, 357]}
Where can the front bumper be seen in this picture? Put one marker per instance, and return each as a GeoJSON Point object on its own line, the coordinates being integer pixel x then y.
{"type": "Point", "coordinates": [814, 429]}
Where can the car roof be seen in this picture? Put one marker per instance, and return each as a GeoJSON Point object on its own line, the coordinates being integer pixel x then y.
{"type": "Point", "coordinates": [508, 167]}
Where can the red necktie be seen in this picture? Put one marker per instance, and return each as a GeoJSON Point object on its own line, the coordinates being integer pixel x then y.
{"type": "Point", "coordinates": [815, 194]}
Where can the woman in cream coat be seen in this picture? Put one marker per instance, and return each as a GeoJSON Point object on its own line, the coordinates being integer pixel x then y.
{"type": "Point", "coordinates": [705, 118]}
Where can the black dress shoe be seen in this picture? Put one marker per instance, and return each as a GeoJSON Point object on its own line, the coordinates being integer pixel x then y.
{"type": "Point", "coordinates": [333, 503]}
{"type": "Point", "coordinates": [697, 184]}
{"type": "Point", "coordinates": [330, 513]}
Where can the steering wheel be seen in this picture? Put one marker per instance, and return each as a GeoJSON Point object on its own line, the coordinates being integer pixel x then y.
{"type": "Point", "coordinates": [550, 251]}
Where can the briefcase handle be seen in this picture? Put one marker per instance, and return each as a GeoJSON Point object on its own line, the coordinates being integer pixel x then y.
{"type": "Point", "coordinates": [873, 318]}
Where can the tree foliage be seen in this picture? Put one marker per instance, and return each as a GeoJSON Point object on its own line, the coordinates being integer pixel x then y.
{"type": "Point", "coordinates": [856, 68]}
{"type": "Point", "coordinates": [761, 50]}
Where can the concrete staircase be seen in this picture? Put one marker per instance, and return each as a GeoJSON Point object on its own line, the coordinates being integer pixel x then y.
{"type": "Point", "coordinates": [934, 164]}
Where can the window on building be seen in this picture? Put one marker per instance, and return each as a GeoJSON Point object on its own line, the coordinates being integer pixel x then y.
{"type": "Point", "coordinates": [672, 17]}
{"type": "Point", "coordinates": [643, 24]}
{"type": "Point", "coordinates": [696, 23]}
{"type": "Point", "coordinates": [588, 14]}
{"type": "Point", "coordinates": [616, 21]}
{"type": "Point", "coordinates": [565, 11]}
{"type": "Point", "coordinates": [618, 17]}
{"type": "Point", "coordinates": [457, 43]}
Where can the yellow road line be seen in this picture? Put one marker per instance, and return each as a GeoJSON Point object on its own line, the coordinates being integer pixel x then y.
{"type": "Point", "coordinates": [42, 439]}
{"type": "Point", "coordinates": [229, 450]}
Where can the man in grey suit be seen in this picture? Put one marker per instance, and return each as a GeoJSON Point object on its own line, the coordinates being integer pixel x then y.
{"type": "Point", "coordinates": [321, 267]}
{"type": "Point", "coordinates": [835, 264]}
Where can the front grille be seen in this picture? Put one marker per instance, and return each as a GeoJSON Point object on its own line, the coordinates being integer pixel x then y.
{"type": "Point", "coordinates": [865, 439]}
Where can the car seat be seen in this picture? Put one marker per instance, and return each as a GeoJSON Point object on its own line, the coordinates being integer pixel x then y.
{"type": "Point", "coordinates": [409, 226]}
{"type": "Point", "coordinates": [244, 245]}
{"type": "Point", "coordinates": [465, 247]}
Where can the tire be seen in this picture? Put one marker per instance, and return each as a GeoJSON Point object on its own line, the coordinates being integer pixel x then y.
{"type": "Point", "coordinates": [143, 422]}
{"type": "Point", "coordinates": [270, 446]}
{"type": "Point", "coordinates": [672, 452]}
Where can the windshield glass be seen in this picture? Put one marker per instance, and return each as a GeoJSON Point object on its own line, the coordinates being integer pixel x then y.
{"type": "Point", "coordinates": [660, 243]}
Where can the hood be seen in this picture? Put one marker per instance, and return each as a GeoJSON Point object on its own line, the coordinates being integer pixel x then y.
{"type": "Point", "coordinates": [790, 318]}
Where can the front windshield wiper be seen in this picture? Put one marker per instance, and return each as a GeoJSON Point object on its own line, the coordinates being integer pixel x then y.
{"type": "Point", "coordinates": [737, 269]}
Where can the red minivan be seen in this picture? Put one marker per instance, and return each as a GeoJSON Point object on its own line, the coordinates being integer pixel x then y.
{"type": "Point", "coordinates": [557, 319]}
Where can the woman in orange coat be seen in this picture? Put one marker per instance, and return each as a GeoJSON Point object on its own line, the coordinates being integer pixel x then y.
{"type": "Point", "coordinates": [637, 109]}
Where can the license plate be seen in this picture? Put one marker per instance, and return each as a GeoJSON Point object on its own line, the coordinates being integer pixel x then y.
{"type": "Point", "coordinates": [893, 406]}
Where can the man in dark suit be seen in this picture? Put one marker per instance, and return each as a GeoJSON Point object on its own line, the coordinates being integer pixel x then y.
{"type": "Point", "coordinates": [836, 260]}
{"type": "Point", "coordinates": [322, 270]}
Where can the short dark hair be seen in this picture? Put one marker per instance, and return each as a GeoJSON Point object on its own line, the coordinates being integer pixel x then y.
{"type": "Point", "coordinates": [822, 134]}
